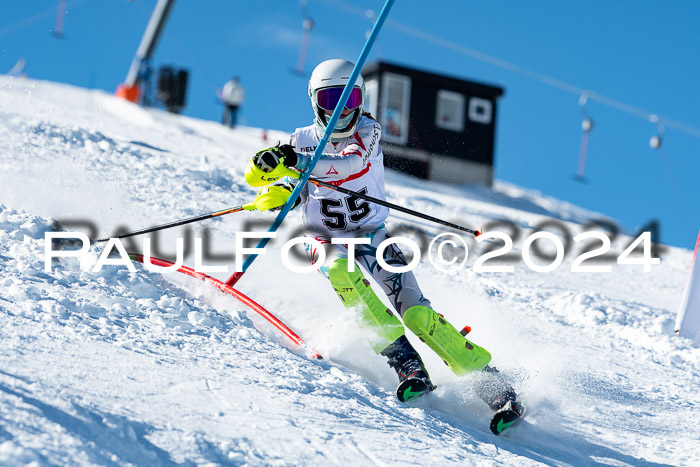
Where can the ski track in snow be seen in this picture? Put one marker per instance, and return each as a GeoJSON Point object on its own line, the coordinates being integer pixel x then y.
{"type": "Point", "coordinates": [116, 368]}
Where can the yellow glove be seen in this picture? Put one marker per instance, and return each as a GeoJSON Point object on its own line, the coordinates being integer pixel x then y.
{"type": "Point", "coordinates": [271, 198]}
{"type": "Point", "coordinates": [271, 164]}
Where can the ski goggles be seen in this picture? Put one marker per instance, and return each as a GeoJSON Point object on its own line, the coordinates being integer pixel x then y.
{"type": "Point", "coordinates": [327, 98]}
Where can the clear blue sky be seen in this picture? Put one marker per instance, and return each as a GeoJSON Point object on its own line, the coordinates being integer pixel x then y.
{"type": "Point", "coordinates": [643, 53]}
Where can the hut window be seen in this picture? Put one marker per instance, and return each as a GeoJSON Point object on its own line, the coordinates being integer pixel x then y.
{"type": "Point", "coordinates": [480, 110]}
{"type": "Point", "coordinates": [370, 104]}
{"type": "Point", "coordinates": [449, 112]}
{"type": "Point", "coordinates": [396, 92]}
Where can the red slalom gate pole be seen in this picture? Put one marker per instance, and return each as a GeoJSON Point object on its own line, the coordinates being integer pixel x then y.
{"type": "Point", "coordinates": [227, 289]}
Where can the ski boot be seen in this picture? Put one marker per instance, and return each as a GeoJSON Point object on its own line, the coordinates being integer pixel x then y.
{"type": "Point", "coordinates": [500, 396]}
{"type": "Point", "coordinates": [508, 415]}
{"type": "Point", "coordinates": [413, 378]}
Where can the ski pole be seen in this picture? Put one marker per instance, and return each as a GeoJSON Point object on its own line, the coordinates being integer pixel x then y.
{"type": "Point", "coordinates": [389, 205]}
{"type": "Point", "coordinates": [247, 207]}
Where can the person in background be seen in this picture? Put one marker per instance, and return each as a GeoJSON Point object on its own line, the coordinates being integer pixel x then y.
{"type": "Point", "coordinates": [232, 96]}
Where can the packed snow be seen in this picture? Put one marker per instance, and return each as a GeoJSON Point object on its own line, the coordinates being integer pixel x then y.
{"type": "Point", "coordinates": [117, 367]}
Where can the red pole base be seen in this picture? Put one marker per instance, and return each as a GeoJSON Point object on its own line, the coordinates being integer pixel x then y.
{"type": "Point", "coordinates": [130, 93]}
{"type": "Point", "coordinates": [234, 278]}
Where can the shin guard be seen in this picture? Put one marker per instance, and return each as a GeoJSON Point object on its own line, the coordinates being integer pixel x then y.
{"type": "Point", "coordinates": [457, 352]}
{"type": "Point", "coordinates": [356, 294]}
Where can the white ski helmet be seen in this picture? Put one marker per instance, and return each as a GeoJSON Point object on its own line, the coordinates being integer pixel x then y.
{"type": "Point", "coordinates": [325, 87]}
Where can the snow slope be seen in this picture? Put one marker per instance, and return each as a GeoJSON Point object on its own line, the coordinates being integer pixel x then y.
{"type": "Point", "coordinates": [116, 368]}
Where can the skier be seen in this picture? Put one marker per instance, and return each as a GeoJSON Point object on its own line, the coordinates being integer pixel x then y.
{"type": "Point", "coordinates": [353, 159]}
{"type": "Point", "coordinates": [232, 96]}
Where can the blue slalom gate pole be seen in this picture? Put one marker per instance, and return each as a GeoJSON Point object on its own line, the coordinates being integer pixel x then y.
{"type": "Point", "coordinates": [324, 139]}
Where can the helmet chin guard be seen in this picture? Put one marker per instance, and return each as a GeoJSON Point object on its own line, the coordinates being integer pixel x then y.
{"type": "Point", "coordinates": [343, 129]}
{"type": "Point", "coordinates": [334, 73]}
